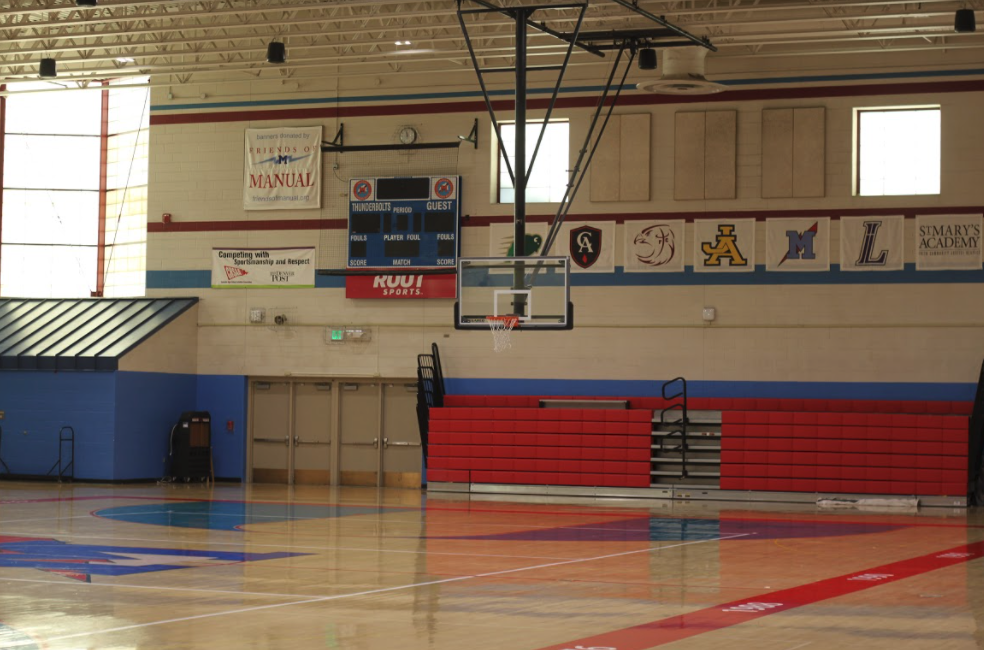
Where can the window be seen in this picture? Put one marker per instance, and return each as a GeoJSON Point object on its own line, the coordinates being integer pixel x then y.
{"type": "Point", "coordinates": [548, 182]}
{"type": "Point", "coordinates": [898, 151]}
{"type": "Point", "coordinates": [65, 233]}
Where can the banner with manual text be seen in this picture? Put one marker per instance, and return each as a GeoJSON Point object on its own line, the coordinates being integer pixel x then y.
{"type": "Point", "coordinates": [263, 268]}
{"type": "Point", "coordinates": [872, 243]}
{"type": "Point", "coordinates": [797, 244]}
{"type": "Point", "coordinates": [400, 286]}
{"type": "Point", "coordinates": [282, 169]}
{"type": "Point", "coordinates": [948, 242]}
{"type": "Point", "coordinates": [654, 246]}
{"type": "Point", "coordinates": [724, 245]}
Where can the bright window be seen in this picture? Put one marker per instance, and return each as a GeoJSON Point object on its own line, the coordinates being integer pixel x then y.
{"type": "Point", "coordinates": [898, 151]}
{"type": "Point", "coordinates": [548, 181]}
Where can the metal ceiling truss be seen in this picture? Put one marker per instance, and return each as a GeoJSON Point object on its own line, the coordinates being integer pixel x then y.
{"type": "Point", "coordinates": [216, 41]}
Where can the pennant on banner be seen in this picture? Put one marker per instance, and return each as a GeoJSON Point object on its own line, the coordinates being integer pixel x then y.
{"type": "Point", "coordinates": [724, 245]}
{"type": "Point", "coordinates": [654, 246]}
{"type": "Point", "coordinates": [948, 242]}
{"type": "Point", "coordinates": [591, 246]}
{"type": "Point", "coordinates": [872, 243]}
{"type": "Point", "coordinates": [501, 240]}
{"type": "Point", "coordinates": [282, 169]}
{"type": "Point", "coordinates": [797, 244]}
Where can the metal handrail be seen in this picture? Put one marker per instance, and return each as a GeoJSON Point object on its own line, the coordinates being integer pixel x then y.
{"type": "Point", "coordinates": [63, 469]}
{"type": "Point", "coordinates": [2, 463]}
{"type": "Point", "coordinates": [682, 422]}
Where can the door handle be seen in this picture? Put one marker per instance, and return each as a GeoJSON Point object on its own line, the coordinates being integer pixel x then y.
{"type": "Point", "coordinates": [286, 440]}
{"type": "Point", "coordinates": [298, 441]}
{"type": "Point", "coordinates": [387, 443]}
{"type": "Point", "coordinates": [374, 444]}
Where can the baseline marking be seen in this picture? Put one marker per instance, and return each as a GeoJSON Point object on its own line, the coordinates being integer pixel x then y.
{"type": "Point", "coordinates": [710, 619]}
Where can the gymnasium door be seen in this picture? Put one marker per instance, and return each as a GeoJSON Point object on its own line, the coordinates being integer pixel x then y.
{"type": "Point", "coordinates": [380, 440]}
{"type": "Point", "coordinates": [291, 432]}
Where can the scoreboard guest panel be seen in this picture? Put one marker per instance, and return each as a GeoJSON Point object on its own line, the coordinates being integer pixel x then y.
{"type": "Point", "coordinates": [403, 222]}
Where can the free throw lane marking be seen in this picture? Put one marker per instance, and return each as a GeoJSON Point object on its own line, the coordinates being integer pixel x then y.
{"type": "Point", "coordinates": [710, 619]}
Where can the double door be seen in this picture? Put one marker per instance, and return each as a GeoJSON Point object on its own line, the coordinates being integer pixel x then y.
{"type": "Point", "coordinates": [336, 432]}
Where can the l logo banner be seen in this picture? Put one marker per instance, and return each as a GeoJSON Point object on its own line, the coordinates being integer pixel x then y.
{"type": "Point", "coordinates": [872, 243]}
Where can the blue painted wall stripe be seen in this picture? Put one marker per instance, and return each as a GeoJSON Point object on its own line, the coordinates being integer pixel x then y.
{"type": "Point", "coordinates": [723, 389]}
{"type": "Point", "coordinates": [758, 277]}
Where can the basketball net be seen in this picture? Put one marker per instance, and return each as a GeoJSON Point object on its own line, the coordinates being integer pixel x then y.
{"type": "Point", "coordinates": [502, 327]}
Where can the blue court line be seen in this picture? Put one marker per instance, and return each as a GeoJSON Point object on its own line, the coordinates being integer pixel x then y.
{"type": "Point", "coordinates": [872, 76]}
{"type": "Point", "coordinates": [202, 279]}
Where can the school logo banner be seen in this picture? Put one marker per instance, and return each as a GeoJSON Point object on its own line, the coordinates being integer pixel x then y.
{"type": "Point", "coordinates": [797, 244]}
{"type": "Point", "coordinates": [263, 268]}
{"type": "Point", "coordinates": [653, 246]}
{"type": "Point", "coordinates": [724, 245]}
{"type": "Point", "coordinates": [283, 169]}
{"type": "Point", "coordinates": [872, 243]}
{"type": "Point", "coordinates": [501, 237]}
{"type": "Point", "coordinates": [948, 242]}
{"type": "Point", "coordinates": [591, 246]}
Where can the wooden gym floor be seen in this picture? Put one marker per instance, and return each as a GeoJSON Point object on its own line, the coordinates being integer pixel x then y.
{"type": "Point", "coordinates": [268, 567]}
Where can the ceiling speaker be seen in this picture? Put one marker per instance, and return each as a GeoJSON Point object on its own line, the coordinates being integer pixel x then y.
{"type": "Point", "coordinates": [276, 53]}
{"type": "Point", "coordinates": [964, 21]}
{"type": "Point", "coordinates": [48, 69]}
{"type": "Point", "coordinates": [647, 59]}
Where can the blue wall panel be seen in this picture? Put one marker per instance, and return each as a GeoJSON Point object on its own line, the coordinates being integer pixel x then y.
{"type": "Point", "coordinates": [40, 403]}
{"type": "Point", "coordinates": [224, 396]}
{"type": "Point", "coordinates": [148, 404]}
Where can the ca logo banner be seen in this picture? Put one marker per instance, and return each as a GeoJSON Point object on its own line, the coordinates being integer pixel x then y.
{"type": "Point", "coordinates": [724, 246]}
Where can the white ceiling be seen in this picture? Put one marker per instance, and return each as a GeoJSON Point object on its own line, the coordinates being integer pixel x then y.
{"type": "Point", "coordinates": [193, 41]}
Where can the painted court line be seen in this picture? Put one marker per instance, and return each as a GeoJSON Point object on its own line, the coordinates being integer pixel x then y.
{"type": "Point", "coordinates": [718, 617]}
{"type": "Point", "coordinates": [371, 592]}
{"type": "Point", "coordinates": [114, 585]}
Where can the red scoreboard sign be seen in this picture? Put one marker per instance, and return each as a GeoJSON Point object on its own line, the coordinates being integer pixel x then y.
{"type": "Point", "coordinates": [400, 286]}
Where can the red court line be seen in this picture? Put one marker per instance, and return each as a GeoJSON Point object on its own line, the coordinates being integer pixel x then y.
{"type": "Point", "coordinates": [668, 630]}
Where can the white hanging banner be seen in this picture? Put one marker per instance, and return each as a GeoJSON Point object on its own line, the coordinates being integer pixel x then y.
{"type": "Point", "coordinates": [872, 243]}
{"type": "Point", "coordinates": [263, 268]}
{"type": "Point", "coordinates": [591, 246]}
{"type": "Point", "coordinates": [724, 245]}
{"type": "Point", "coordinates": [948, 242]}
{"type": "Point", "coordinates": [654, 246]}
{"type": "Point", "coordinates": [282, 169]}
{"type": "Point", "coordinates": [797, 244]}
{"type": "Point", "coordinates": [501, 239]}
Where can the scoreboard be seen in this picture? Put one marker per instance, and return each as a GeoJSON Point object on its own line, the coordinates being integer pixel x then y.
{"type": "Point", "coordinates": [403, 222]}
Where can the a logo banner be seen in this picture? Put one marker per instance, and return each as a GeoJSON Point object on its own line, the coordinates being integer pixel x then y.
{"type": "Point", "coordinates": [872, 243]}
{"type": "Point", "coordinates": [283, 169]}
{"type": "Point", "coordinates": [724, 245]}
{"type": "Point", "coordinates": [797, 244]}
{"type": "Point", "coordinates": [591, 246]}
{"type": "Point", "coordinates": [400, 286]}
{"type": "Point", "coordinates": [263, 268]}
{"type": "Point", "coordinates": [948, 242]}
{"type": "Point", "coordinates": [653, 246]}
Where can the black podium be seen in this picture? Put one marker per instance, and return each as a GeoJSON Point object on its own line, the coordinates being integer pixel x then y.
{"type": "Point", "coordinates": [191, 447]}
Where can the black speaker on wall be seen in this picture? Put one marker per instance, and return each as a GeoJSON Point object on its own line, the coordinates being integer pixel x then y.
{"type": "Point", "coordinates": [647, 59]}
{"type": "Point", "coordinates": [276, 52]}
{"type": "Point", "coordinates": [964, 21]}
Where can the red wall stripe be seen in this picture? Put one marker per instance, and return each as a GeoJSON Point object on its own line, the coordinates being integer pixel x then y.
{"type": "Point", "coordinates": [809, 92]}
{"type": "Point", "coordinates": [711, 619]}
{"type": "Point", "coordinates": [472, 221]}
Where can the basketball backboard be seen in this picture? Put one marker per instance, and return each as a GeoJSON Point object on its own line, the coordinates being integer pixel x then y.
{"type": "Point", "coordinates": [535, 289]}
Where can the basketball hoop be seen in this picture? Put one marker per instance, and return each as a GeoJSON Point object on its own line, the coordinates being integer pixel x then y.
{"type": "Point", "coordinates": [501, 327]}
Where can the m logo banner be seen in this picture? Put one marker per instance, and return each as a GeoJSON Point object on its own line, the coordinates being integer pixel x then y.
{"type": "Point", "coordinates": [283, 169]}
{"type": "Point", "coordinates": [948, 242]}
{"type": "Point", "coordinates": [591, 246]}
{"type": "Point", "coordinates": [797, 244]}
{"type": "Point", "coordinates": [263, 268]}
{"type": "Point", "coordinates": [654, 246]}
{"type": "Point", "coordinates": [872, 243]}
{"type": "Point", "coordinates": [724, 245]}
